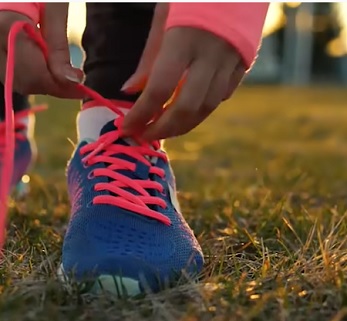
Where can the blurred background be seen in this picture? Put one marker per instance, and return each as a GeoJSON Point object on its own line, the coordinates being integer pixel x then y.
{"type": "Point", "coordinates": [303, 43]}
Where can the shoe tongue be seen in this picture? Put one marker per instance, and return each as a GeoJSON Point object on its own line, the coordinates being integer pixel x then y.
{"type": "Point", "coordinates": [108, 127]}
{"type": "Point", "coordinates": [91, 121]}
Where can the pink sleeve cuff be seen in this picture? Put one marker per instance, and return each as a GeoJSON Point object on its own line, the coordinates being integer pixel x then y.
{"type": "Point", "coordinates": [240, 24]}
{"type": "Point", "coordinates": [29, 9]}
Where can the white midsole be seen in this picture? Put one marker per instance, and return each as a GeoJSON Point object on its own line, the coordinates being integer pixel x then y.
{"type": "Point", "coordinates": [121, 286]}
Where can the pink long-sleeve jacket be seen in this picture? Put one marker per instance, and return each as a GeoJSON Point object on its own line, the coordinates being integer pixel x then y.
{"type": "Point", "coordinates": [239, 23]}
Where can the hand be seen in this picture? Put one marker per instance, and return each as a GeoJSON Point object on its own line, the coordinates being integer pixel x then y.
{"type": "Point", "coordinates": [192, 68]}
{"type": "Point", "coordinates": [33, 74]}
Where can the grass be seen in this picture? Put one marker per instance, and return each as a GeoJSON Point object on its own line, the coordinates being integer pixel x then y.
{"type": "Point", "coordinates": [263, 183]}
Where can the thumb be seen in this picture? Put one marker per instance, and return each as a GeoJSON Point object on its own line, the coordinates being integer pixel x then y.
{"type": "Point", "coordinates": [54, 31]}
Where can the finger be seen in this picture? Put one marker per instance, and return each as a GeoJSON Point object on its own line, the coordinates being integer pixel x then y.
{"type": "Point", "coordinates": [54, 31]}
{"type": "Point", "coordinates": [31, 75]}
{"type": "Point", "coordinates": [66, 92]}
{"type": "Point", "coordinates": [235, 80]}
{"type": "Point", "coordinates": [180, 116]}
{"type": "Point", "coordinates": [165, 75]}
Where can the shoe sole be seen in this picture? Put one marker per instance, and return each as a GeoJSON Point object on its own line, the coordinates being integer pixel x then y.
{"type": "Point", "coordinates": [110, 284]}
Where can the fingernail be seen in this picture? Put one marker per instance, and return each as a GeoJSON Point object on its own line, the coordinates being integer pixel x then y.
{"type": "Point", "coordinates": [128, 84]}
{"type": "Point", "coordinates": [125, 87]}
{"type": "Point", "coordinates": [132, 85]}
{"type": "Point", "coordinates": [72, 76]}
{"type": "Point", "coordinates": [128, 88]}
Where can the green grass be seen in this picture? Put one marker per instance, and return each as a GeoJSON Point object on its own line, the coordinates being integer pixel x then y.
{"type": "Point", "coordinates": [263, 183]}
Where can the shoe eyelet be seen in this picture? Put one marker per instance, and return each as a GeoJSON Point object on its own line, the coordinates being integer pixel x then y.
{"type": "Point", "coordinates": [163, 193]}
{"type": "Point", "coordinates": [85, 165]}
{"type": "Point", "coordinates": [90, 204]}
{"type": "Point", "coordinates": [91, 175]}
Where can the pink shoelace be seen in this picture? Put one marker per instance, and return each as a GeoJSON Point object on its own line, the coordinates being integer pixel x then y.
{"type": "Point", "coordinates": [19, 126]}
{"type": "Point", "coordinates": [99, 151]}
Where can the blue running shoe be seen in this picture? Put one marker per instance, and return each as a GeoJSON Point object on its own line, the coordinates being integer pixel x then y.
{"type": "Point", "coordinates": [25, 148]}
{"type": "Point", "coordinates": [126, 233]}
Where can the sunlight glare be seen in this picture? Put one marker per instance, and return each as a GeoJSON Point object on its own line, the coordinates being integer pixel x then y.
{"type": "Point", "coordinates": [26, 179]}
{"type": "Point", "coordinates": [338, 46]}
{"type": "Point", "coordinates": [76, 21]}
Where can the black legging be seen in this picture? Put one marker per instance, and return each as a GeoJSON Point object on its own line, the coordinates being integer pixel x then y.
{"type": "Point", "coordinates": [19, 102]}
{"type": "Point", "coordinates": [113, 41]}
